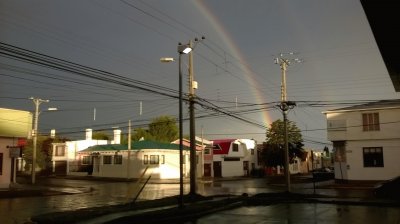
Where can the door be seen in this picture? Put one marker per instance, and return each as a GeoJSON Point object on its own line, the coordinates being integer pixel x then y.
{"type": "Point", "coordinates": [217, 169]}
{"type": "Point", "coordinates": [207, 170]}
{"type": "Point", "coordinates": [60, 168]}
{"type": "Point", "coordinates": [246, 168]}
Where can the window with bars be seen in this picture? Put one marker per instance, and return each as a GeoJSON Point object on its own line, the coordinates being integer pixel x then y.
{"type": "Point", "coordinates": [154, 159]}
{"type": "Point", "coordinates": [370, 122]}
{"type": "Point", "coordinates": [118, 159]}
{"type": "Point", "coordinates": [373, 156]}
{"type": "Point", "coordinates": [59, 151]}
{"type": "Point", "coordinates": [107, 159]}
{"type": "Point", "coordinates": [86, 160]}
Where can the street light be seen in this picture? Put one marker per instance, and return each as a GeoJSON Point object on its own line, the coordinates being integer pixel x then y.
{"type": "Point", "coordinates": [37, 103]}
{"type": "Point", "coordinates": [182, 49]}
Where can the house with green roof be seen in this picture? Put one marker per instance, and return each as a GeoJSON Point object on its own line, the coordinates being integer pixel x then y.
{"type": "Point", "coordinates": [161, 160]}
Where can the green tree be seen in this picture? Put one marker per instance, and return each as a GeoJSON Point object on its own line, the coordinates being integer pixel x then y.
{"type": "Point", "coordinates": [163, 129]}
{"type": "Point", "coordinates": [44, 151]}
{"type": "Point", "coordinates": [140, 133]}
{"type": "Point", "coordinates": [99, 135]}
{"type": "Point", "coordinates": [274, 148]}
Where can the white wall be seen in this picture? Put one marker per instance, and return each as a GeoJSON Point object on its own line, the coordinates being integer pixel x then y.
{"type": "Point", "coordinates": [168, 170]}
{"type": "Point", "coordinates": [389, 128]}
{"type": "Point", "coordinates": [388, 137]}
{"type": "Point", "coordinates": [391, 160]}
{"type": "Point", "coordinates": [5, 177]}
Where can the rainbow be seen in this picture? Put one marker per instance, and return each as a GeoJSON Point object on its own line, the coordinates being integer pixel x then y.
{"type": "Point", "coordinates": [226, 37]}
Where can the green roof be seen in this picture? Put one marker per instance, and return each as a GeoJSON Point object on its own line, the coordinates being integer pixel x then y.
{"type": "Point", "coordinates": [146, 144]}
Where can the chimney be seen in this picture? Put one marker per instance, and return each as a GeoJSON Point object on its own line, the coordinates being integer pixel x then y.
{"type": "Point", "coordinates": [117, 136]}
{"type": "Point", "coordinates": [53, 133]}
{"type": "Point", "coordinates": [88, 134]}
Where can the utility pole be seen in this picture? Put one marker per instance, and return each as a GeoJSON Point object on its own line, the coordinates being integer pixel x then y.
{"type": "Point", "coordinates": [192, 125]}
{"type": "Point", "coordinates": [285, 106]}
{"type": "Point", "coordinates": [128, 172]}
{"type": "Point", "coordinates": [37, 103]}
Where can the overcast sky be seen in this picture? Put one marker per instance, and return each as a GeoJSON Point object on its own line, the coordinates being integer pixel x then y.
{"type": "Point", "coordinates": [234, 65]}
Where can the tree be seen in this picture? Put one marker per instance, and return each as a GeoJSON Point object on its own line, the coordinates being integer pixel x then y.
{"type": "Point", "coordinates": [98, 135]}
{"type": "Point", "coordinates": [44, 151]}
{"type": "Point", "coordinates": [163, 129]}
{"type": "Point", "coordinates": [274, 148]}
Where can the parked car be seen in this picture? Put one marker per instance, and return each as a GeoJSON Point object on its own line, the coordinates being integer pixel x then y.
{"type": "Point", "coordinates": [323, 174]}
{"type": "Point", "coordinates": [389, 189]}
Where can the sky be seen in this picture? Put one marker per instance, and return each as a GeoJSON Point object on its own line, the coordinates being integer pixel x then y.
{"type": "Point", "coordinates": [121, 43]}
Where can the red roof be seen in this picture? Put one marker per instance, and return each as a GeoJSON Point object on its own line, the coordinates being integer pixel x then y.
{"type": "Point", "coordinates": [221, 146]}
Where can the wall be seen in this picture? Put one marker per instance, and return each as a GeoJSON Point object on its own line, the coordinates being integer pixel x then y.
{"type": "Point", "coordinates": [387, 137]}
{"type": "Point", "coordinates": [355, 165]}
{"type": "Point", "coordinates": [389, 125]}
{"type": "Point", "coordinates": [168, 170]}
{"type": "Point", "coordinates": [5, 176]}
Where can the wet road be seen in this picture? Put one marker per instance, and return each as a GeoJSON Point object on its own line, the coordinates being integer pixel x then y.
{"type": "Point", "coordinates": [100, 193]}
{"type": "Point", "coordinates": [304, 214]}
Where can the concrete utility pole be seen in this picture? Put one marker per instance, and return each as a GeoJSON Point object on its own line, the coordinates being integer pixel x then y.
{"type": "Point", "coordinates": [192, 124]}
{"type": "Point", "coordinates": [37, 103]}
{"type": "Point", "coordinates": [128, 171]}
{"type": "Point", "coordinates": [192, 87]}
{"type": "Point", "coordinates": [285, 106]}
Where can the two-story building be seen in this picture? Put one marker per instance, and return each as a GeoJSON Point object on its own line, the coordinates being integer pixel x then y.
{"type": "Point", "coordinates": [65, 154]}
{"type": "Point", "coordinates": [366, 140]}
{"type": "Point", "coordinates": [234, 157]}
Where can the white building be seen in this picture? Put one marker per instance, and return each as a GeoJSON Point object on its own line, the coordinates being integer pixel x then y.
{"type": "Point", "coordinates": [15, 127]}
{"type": "Point", "coordinates": [65, 154]}
{"type": "Point", "coordinates": [234, 157]}
{"type": "Point", "coordinates": [366, 140]}
{"type": "Point", "coordinates": [161, 160]}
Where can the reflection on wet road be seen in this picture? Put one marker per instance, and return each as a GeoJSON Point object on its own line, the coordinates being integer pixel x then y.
{"type": "Point", "coordinates": [18, 210]}
{"type": "Point", "coordinates": [304, 213]}
{"type": "Point", "coordinates": [100, 193]}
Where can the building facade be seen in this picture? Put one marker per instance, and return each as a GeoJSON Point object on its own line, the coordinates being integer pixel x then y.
{"type": "Point", "coordinates": [160, 160]}
{"type": "Point", "coordinates": [366, 140]}
{"type": "Point", "coordinates": [234, 157]}
{"type": "Point", "coordinates": [15, 128]}
{"type": "Point", "coordinates": [65, 154]}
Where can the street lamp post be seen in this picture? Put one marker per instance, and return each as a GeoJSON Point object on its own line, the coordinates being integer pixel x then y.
{"type": "Point", "coordinates": [37, 103]}
{"type": "Point", "coordinates": [182, 49]}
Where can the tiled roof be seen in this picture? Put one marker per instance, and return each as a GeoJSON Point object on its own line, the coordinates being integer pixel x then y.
{"type": "Point", "coordinates": [139, 145]}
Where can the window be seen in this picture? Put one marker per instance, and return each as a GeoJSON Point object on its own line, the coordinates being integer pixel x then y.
{"type": "Point", "coordinates": [373, 156]}
{"type": "Point", "coordinates": [107, 159]}
{"type": "Point", "coordinates": [370, 122]}
{"type": "Point", "coordinates": [118, 159]}
{"type": "Point", "coordinates": [252, 151]}
{"type": "Point", "coordinates": [235, 147]}
{"type": "Point", "coordinates": [154, 159]}
{"type": "Point", "coordinates": [86, 160]}
{"type": "Point", "coordinates": [145, 159]}
{"type": "Point", "coordinates": [229, 159]}
{"type": "Point", "coordinates": [1, 163]}
{"type": "Point", "coordinates": [162, 159]}
{"type": "Point", "coordinates": [207, 151]}
{"type": "Point", "coordinates": [60, 150]}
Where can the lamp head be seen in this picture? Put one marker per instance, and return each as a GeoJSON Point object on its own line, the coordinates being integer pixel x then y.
{"type": "Point", "coordinates": [184, 49]}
